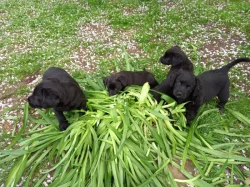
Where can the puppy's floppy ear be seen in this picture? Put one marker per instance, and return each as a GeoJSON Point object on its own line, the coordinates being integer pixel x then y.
{"type": "Point", "coordinates": [177, 59]}
{"type": "Point", "coordinates": [178, 56]}
{"type": "Point", "coordinates": [122, 79]}
{"type": "Point", "coordinates": [53, 86]}
{"type": "Point", "coordinates": [50, 97]}
{"type": "Point", "coordinates": [105, 80]}
{"type": "Point", "coordinates": [197, 95]}
{"type": "Point", "coordinates": [172, 77]}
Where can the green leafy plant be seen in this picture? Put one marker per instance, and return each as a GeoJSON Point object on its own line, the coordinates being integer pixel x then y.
{"type": "Point", "coordinates": [124, 140]}
{"type": "Point", "coordinates": [39, 34]}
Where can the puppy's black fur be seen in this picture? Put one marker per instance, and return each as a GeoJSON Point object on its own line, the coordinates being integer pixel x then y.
{"type": "Point", "coordinates": [203, 88]}
{"type": "Point", "coordinates": [58, 90]}
{"type": "Point", "coordinates": [117, 82]}
{"type": "Point", "coordinates": [178, 60]}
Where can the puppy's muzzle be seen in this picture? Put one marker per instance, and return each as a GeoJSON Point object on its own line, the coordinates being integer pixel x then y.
{"type": "Point", "coordinates": [29, 99]}
{"type": "Point", "coordinates": [33, 103]}
{"type": "Point", "coordinates": [179, 95]}
{"type": "Point", "coordinates": [163, 60]}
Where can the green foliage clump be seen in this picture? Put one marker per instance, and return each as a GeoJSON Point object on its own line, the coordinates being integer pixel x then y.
{"type": "Point", "coordinates": [123, 140]}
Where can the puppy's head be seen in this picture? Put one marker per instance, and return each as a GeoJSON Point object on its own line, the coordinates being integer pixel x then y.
{"type": "Point", "coordinates": [115, 83]}
{"type": "Point", "coordinates": [45, 95]}
{"type": "Point", "coordinates": [174, 56]}
{"type": "Point", "coordinates": [184, 85]}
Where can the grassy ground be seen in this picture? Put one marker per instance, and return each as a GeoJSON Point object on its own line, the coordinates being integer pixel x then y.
{"type": "Point", "coordinates": [90, 37]}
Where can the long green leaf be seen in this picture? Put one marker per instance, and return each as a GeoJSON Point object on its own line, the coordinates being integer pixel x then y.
{"type": "Point", "coordinates": [16, 171]}
{"type": "Point", "coordinates": [20, 133]}
{"type": "Point", "coordinates": [240, 117]}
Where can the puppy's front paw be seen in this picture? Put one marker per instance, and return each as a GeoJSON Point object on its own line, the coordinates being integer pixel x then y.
{"type": "Point", "coordinates": [221, 110]}
{"type": "Point", "coordinates": [63, 126]}
{"type": "Point", "coordinates": [190, 116]}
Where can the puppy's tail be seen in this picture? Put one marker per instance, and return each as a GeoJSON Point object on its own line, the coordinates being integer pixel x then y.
{"type": "Point", "coordinates": [233, 63]}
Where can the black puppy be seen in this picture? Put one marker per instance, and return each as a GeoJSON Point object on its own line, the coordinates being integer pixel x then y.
{"type": "Point", "coordinates": [58, 90]}
{"type": "Point", "coordinates": [178, 60]}
{"type": "Point", "coordinates": [117, 82]}
{"type": "Point", "coordinates": [203, 88]}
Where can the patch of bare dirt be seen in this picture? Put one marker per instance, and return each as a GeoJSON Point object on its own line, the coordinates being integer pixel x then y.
{"type": "Point", "coordinates": [177, 174]}
{"type": "Point", "coordinates": [215, 49]}
{"type": "Point", "coordinates": [31, 78]}
{"type": "Point", "coordinates": [11, 112]}
{"type": "Point", "coordinates": [11, 104]}
{"type": "Point", "coordinates": [8, 90]}
{"type": "Point", "coordinates": [82, 57]}
{"type": "Point", "coordinates": [221, 46]}
{"type": "Point", "coordinates": [100, 41]}
{"type": "Point", "coordinates": [6, 126]}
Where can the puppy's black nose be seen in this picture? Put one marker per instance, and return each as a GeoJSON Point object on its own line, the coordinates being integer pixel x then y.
{"type": "Point", "coordinates": [164, 60]}
{"type": "Point", "coordinates": [161, 60]}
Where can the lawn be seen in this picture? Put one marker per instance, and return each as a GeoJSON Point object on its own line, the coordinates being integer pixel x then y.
{"type": "Point", "coordinates": [91, 39]}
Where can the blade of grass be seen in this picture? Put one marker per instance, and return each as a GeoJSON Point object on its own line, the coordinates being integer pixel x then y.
{"type": "Point", "coordinates": [20, 133]}
{"type": "Point", "coordinates": [16, 172]}
{"type": "Point", "coordinates": [144, 92]}
{"type": "Point", "coordinates": [240, 117]}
